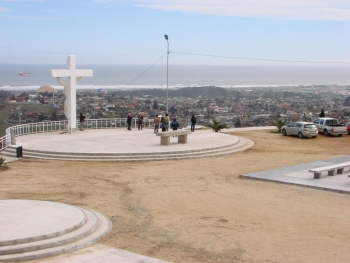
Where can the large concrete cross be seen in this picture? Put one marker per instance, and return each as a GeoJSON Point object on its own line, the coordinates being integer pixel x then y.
{"type": "Point", "coordinates": [74, 75]}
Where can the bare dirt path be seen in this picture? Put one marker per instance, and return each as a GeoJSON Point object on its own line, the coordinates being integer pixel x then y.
{"type": "Point", "coordinates": [199, 210]}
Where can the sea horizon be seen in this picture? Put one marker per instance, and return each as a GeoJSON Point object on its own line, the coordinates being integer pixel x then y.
{"type": "Point", "coordinates": [143, 76]}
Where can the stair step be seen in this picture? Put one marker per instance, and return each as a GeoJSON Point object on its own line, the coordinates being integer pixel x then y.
{"type": "Point", "coordinates": [240, 145]}
{"type": "Point", "coordinates": [12, 150]}
{"type": "Point", "coordinates": [104, 227]}
{"type": "Point", "coordinates": [89, 227]}
{"type": "Point", "coordinates": [75, 219]}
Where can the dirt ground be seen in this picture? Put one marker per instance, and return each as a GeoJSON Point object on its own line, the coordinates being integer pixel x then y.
{"type": "Point", "coordinates": [200, 210]}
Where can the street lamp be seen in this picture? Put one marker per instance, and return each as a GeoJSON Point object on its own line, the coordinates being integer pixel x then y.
{"type": "Point", "coordinates": [167, 72]}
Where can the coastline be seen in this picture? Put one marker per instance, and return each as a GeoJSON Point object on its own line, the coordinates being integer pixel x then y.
{"type": "Point", "coordinates": [173, 87]}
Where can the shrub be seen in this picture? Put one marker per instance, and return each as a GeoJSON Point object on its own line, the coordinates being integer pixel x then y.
{"type": "Point", "coordinates": [279, 123]}
{"type": "Point", "coordinates": [216, 126]}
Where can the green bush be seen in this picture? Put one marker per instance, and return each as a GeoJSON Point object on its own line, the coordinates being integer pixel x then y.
{"type": "Point", "coordinates": [279, 123]}
{"type": "Point", "coordinates": [216, 126]}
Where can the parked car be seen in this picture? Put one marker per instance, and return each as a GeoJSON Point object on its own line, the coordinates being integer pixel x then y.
{"type": "Point", "coordinates": [300, 129]}
{"type": "Point", "coordinates": [347, 125]}
{"type": "Point", "coordinates": [330, 126]}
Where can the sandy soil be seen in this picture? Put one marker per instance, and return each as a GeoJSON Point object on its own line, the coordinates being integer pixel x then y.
{"type": "Point", "coordinates": [199, 210]}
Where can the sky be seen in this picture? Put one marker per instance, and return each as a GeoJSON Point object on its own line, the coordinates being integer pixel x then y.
{"type": "Point", "coordinates": [201, 32]}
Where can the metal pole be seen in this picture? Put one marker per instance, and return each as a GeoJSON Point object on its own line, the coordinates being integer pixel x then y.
{"type": "Point", "coordinates": [167, 72]}
{"type": "Point", "coordinates": [95, 105]}
{"type": "Point", "coordinates": [167, 77]}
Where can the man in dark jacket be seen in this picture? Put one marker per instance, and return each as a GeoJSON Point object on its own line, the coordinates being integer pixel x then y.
{"type": "Point", "coordinates": [322, 114]}
{"type": "Point", "coordinates": [193, 123]}
{"type": "Point", "coordinates": [174, 125]}
{"type": "Point", "coordinates": [82, 119]}
{"type": "Point", "coordinates": [129, 119]}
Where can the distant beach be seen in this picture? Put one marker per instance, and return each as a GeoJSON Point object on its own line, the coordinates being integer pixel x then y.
{"type": "Point", "coordinates": [138, 77]}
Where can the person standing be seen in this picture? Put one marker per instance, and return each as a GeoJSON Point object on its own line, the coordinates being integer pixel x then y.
{"type": "Point", "coordinates": [140, 121]}
{"type": "Point", "coordinates": [156, 124]}
{"type": "Point", "coordinates": [322, 114]}
{"type": "Point", "coordinates": [129, 120]}
{"type": "Point", "coordinates": [82, 119]}
{"type": "Point", "coordinates": [193, 123]}
{"type": "Point", "coordinates": [163, 124]}
{"type": "Point", "coordinates": [174, 125]}
{"type": "Point", "coordinates": [167, 121]}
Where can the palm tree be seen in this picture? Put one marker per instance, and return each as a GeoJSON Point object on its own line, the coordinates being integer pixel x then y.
{"type": "Point", "coordinates": [279, 123]}
{"type": "Point", "coordinates": [216, 126]}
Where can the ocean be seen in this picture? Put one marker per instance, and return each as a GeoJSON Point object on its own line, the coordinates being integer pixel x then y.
{"type": "Point", "coordinates": [131, 77]}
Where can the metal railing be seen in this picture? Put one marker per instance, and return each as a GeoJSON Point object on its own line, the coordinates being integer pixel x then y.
{"type": "Point", "coordinates": [5, 141]}
{"type": "Point", "coordinates": [114, 123]}
{"type": "Point", "coordinates": [38, 127]}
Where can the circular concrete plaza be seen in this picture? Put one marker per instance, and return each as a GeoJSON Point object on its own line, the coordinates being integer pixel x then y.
{"type": "Point", "coordinates": [121, 141]}
{"type": "Point", "coordinates": [24, 221]}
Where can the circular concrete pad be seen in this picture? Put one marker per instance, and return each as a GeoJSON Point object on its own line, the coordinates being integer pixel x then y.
{"type": "Point", "coordinates": [121, 141]}
{"type": "Point", "coordinates": [24, 221]}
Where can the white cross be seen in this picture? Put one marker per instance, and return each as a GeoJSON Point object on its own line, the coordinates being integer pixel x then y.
{"type": "Point", "coordinates": [74, 75]}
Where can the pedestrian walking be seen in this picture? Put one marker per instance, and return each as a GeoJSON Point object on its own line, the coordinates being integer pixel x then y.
{"type": "Point", "coordinates": [156, 124]}
{"type": "Point", "coordinates": [129, 120]}
{"type": "Point", "coordinates": [193, 122]}
{"type": "Point", "coordinates": [82, 119]}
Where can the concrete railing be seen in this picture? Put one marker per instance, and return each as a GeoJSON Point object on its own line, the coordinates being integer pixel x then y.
{"type": "Point", "coordinates": [38, 127]}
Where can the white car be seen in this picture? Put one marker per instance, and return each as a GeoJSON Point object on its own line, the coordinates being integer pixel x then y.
{"type": "Point", "coordinates": [300, 129]}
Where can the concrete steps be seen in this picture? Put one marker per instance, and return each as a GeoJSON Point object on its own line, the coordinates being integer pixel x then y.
{"type": "Point", "coordinates": [95, 226]}
{"type": "Point", "coordinates": [241, 144]}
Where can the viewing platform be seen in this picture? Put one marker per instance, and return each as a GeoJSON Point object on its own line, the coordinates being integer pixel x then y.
{"type": "Point", "coordinates": [122, 145]}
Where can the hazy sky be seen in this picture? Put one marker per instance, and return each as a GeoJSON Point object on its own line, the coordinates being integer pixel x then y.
{"type": "Point", "coordinates": [132, 31]}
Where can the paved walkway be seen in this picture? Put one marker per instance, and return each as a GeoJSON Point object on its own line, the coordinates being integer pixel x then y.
{"type": "Point", "coordinates": [300, 175]}
{"type": "Point", "coordinates": [100, 254]}
{"type": "Point", "coordinates": [244, 129]}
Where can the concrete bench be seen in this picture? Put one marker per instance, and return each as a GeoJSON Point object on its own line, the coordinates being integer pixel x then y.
{"type": "Point", "coordinates": [165, 136]}
{"type": "Point", "coordinates": [330, 169]}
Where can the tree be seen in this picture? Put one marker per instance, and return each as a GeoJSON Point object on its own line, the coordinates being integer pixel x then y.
{"type": "Point", "coordinates": [41, 117]}
{"type": "Point", "coordinates": [54, 116]}
{"type": "Point", "coordinates": [155, 105]}
{"type": "Point", "coordinates": [109, 99]}
{"type": "Point", "coordinates": [238, 123]}
{"type": "Point", "coordinates": [216, 126]}
{"type": "Point", "coordinates": [172, 110]}
{"type": "Point", "coordinates": [279, 123]}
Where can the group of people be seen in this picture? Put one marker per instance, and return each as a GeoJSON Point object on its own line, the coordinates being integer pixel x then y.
{"type": "Point", "coordinates": [139, 121]}
{"type": "Point", "coordinates": [162, 123]}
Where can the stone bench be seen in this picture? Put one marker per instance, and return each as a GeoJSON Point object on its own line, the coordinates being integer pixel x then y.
{"type": "Point", "coordinates": [165, 136]}
{"type": "Point", "coordinates": [330, 169]}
